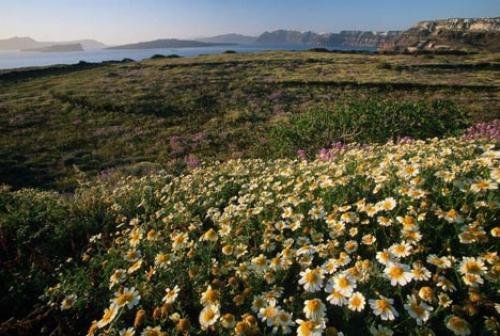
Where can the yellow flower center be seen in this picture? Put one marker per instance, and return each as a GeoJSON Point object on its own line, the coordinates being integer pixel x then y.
{"type": "Point", "coordinates": [212, 295]}
{"type": "Point", "coordinates": [400, 249]}
{"type": "Point", "coordinates": [472, 267]}
{"type": "Point", "coordinates": [452, 214]}
{"type": "Point", "coordinates": [356, 301]}
{"type": "Point", "coordinates": [457, 323]}
{"type": "Point", "coordinates": [482, 185]}
{"type": "Point", "coordinates": [396, 272]}
{"type": "Point", "coordinates": [383, 305]}
{"type": "Point", "coordinates": [311, 277]}
{"type": "Point", "coordinates": [260, 261]}
{"type": "Point", "coordinates": [124, 298]}
{"type": "Point", "coordinates": [313, 305]}
{"type": "Point", "coordinates": [408, 221]}
{"type": "Point", "coordinates": [209, 314]}
{"type": "Point", "coordinates": [343, 282]}
{"type": "Point", "coordinates": [307, 328]}
{"type": "Point", "coordinates": [417, 309]}
{"type": "Point", "coordinates": [409, 170]}
{"type": "Point", "coordinates": [269, 312]}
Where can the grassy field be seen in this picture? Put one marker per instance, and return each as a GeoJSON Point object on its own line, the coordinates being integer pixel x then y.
{"type": "Point", "coordinates": [251, 194]}
{"type": "Point", "coordinates": [136, 117]}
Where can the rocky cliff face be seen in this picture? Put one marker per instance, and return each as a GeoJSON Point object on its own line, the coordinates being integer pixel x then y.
{"type": "Point", "coordinates": [290, 37]}
{"type": "Point", "coordinates": [460, 25]}
{"type": "Point", "coordinates": [451, 34]}
{"type": "Point", "coordinates": [361, 38]}
{"type": "Point", "coordinates": [343, 39]}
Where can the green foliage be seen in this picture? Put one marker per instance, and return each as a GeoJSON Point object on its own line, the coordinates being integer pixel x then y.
{"type": "Point", "coordinates": [39, 231]}
{"type": "Point", "coordinates": [117, 115]}
{"type": "Point", "coordinates": [366, 121]}
{"type": "Point", "coordinates": [33, 238]}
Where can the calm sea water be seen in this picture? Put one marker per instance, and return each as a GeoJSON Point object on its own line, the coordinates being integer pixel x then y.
{"type": "Point", "coordinates": [18, 59]}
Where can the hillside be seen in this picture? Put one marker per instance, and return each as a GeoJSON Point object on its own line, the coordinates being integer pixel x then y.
{"type": "Point", "coordinates": [229, 38]}
{"type": "Point", "coordinates": [456, 34]}
{"type": "Point", "coordinates": [57, 48]}
{"type": "Point", "coordinates": [19, 43]}
{"type": "Point", "coordinates": [168, 43]}
{"type": "Point", "coordinates": [135, 117]}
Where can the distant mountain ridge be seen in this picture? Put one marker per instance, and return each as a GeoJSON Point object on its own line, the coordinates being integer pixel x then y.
{"type": "Point", "coordinates": [168, 43]}
{"type": "Point", "coordinates": [20, 43]}
{"type": "Point", "coordinates": [57, 48]}
{"type": "Point", "coordinates": [229, 38]}
{"type": "Point", "coordinates": [352, 38]}
{"type": "Point", "coordinates": [464, 34]}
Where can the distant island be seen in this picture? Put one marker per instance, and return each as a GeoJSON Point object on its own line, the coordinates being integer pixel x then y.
{"type": "Point", "coordinates": [170, 43]}
{"type": "Point", "coordinates": [230, 38]}
{"type": "Point", "coordinates": [23, 43]}
{"type": "Point", "coordinates": [57, 48]}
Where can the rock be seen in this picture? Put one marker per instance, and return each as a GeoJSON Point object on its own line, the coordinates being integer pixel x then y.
{"type": "Point", "coordinates": [477, 34]}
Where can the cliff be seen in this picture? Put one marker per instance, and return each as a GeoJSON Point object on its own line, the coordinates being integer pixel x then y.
{"type": "Point", "coordinates": [361, 38]}
{"type": "Point", "coordinates": [343, 39]}
{"type": "Point", "coordinates": [477, 34]}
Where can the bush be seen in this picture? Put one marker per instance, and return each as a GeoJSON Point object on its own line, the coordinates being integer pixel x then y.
{"type": "Point", "coordinates": [157, 56]}
{"type": "Point", "coordinates": [40, 231]}
{"type": "Point", "coordinates": [34, 239]}
{"type": "Point", "coordinates": [366, 121]}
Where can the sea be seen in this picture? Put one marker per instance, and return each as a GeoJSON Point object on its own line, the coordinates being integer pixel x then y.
{"type": "Point", "coordinates": [20, 59]}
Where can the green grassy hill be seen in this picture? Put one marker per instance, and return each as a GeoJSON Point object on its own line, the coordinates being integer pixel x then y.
{"type": "Point", "coordinates": [140, 117]}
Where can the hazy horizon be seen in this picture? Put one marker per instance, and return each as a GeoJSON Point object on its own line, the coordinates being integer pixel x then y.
{"type": "Point", "coordinates": [128, 21]}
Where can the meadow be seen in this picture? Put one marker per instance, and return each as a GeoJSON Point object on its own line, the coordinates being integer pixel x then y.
{"type": "Point", "coordinates": [138, 117]}
{"type": "Point", "coordinates": [303, 193]}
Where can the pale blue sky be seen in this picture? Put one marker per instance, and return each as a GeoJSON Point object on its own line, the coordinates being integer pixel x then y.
{"type": "Point", "coordinates": [121, 21]}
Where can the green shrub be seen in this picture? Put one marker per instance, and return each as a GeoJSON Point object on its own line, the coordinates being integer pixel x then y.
{"type": "Point", "coordinates": [40, 231]}
{"type": "Point", "coordinates": [33, 240]}
{"type": "Point", "coordinates": [366, 121]}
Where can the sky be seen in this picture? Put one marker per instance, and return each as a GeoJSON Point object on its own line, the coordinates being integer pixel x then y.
{"type": "Point", "coordinates": [126, 21]}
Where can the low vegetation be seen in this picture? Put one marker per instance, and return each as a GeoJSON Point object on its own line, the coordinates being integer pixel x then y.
{"type": "Point", "coordinates": [393, 237]}
{"type": "Point", "coordinates": [286, 193]}
{"type": "Point", "coordinates": [138, 116]}
{"type": "Point", "coordinates": [371, 121]}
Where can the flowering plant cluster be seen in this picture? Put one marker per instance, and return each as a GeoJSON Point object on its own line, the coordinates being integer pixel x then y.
{"type": "Point", "coordinates": [382, 240]}
{"type": "Point", "coordinates": [488, 130]}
